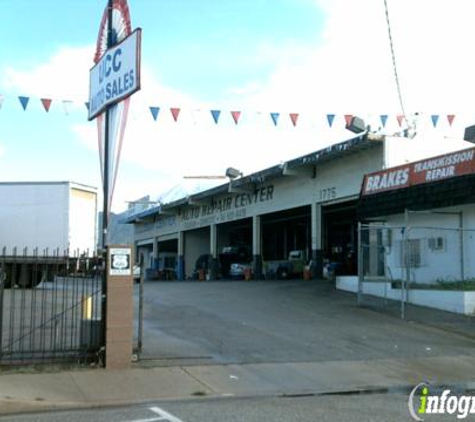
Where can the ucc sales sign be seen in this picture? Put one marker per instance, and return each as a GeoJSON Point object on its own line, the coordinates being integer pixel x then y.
{"type": "Point", "coordinates": [116, 75]}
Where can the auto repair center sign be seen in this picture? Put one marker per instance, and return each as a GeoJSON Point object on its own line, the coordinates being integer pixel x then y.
{"type": "Point", "coordinates": [116, 75]}
{"type": "Point", "coordinates": [425, 171]}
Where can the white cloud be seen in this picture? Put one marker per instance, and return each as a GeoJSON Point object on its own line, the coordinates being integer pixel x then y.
{"type": "Point", "coordinates": [348, 71]}
{"type": "Point", "coordinates": [64, 76]}
{"type": "Point", "coordinates": [351, 70]}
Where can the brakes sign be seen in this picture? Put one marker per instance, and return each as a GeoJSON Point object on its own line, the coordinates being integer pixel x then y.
{"type": "Point", "coordinates": [425, 171]}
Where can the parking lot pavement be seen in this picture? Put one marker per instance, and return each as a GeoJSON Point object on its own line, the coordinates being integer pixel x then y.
{"type": "Point", "coordinates": [189, 323]}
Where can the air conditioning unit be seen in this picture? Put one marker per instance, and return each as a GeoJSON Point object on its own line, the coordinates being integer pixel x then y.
{"type": "Point", "coordinates": [436, 243]}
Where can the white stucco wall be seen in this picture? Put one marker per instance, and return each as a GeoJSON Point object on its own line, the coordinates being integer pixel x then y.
{"type": "Point", "coordinates": [445, 264]}
{"type": "Point", "coordinates": [197, 242]}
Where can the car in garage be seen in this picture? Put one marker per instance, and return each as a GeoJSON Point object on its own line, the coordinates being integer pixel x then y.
{"type": "Point", "coordinates": [234, 257]}
{"type": "Point", "coordinates": [239, 270]}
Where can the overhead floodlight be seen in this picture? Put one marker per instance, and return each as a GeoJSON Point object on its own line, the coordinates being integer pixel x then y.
{"type": "Point", "coordinates": [232, 173]}
{"type": "Point", "coordinates": [469, 134]}
{"type": "Point", "coordinates": [357, 125]}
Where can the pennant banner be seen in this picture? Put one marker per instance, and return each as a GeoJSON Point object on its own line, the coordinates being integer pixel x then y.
{"type": "Point", "coordinates": [384, 119]}
{"type": "Point", "coordinates": [236, 115]}
{"type": "Point", "coordinates": [400, 118]}
{"type": "Point", "coordinates": [294, 117]}
{"type": "Point", "coordinates": [24, 102]}
{"type": "Point", "coordinates": [155, 111]}
{"type": "Point", "coordinates": [46, 103]}
{"type": "Point", "coordinates": [275, 118]}
{"type": "Point", "coordinates": [215, 114]}
{"type": "Point", "coordinates": [67, 106]}
{"type": "Point", "coordinates": [175, 113]}
{"type": "Point", "coordinates": [348, 118]}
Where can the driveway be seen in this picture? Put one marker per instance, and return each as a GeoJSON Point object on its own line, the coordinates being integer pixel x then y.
{"type": "Point", "coordinates": [190, 323]}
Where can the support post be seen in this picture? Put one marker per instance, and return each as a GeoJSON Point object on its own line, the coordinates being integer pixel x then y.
{"type": "Point", "coordinates": [360, 264]}
{"type": "Point", "coordinates": [256, 247]}
{"type": "Point", "coordinates": [213, 243]}
{"type": "Point", "coordinates": [462, 247]}
{"type": "Point", "coordinates": [407, 263]}
{"type": "Point", "coordinates": [181, 259]}
{"type": "Point", "coordinates": [155, 253]}
{"type": "Point", "coordinates": [317, 241]}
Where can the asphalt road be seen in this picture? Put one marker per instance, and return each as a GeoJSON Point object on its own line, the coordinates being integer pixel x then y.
{"type": "Point", "coordinates": [359, 408]}
{"type": "Point", "coordinates": [282, 321]}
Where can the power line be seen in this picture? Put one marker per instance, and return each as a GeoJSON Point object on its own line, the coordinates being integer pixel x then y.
{"type": "Point", "coordinates": [396, 77]}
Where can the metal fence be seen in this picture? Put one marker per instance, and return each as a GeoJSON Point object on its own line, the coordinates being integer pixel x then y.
{"type": "Point", "coordinates": [50, 306]}
{"type": "Point", "coordinates": [413, 267]}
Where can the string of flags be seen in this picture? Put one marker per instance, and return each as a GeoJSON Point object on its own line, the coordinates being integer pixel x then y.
{"type": "Point", "coordinates": [216, 114]}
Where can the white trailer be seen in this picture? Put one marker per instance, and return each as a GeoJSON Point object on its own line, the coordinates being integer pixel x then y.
{"type": "Point", "coordinates": [44, 219]}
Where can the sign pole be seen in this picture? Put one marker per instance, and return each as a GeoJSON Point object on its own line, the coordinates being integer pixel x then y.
{"type": "Point", "coordinates": [106, 205]}
{"type": "Point", "coordinates": [112, 80]}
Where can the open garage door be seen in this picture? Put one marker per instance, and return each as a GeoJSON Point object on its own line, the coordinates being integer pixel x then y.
{"type": "Point", "coordinates": [340, 237]}
{"type": "Point", "coordinates": [234, 247]}
{"type": "Point", "coordinates": [283, 234]}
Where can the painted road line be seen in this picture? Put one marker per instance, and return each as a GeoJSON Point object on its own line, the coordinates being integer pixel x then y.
{"type": "Point", "coordinates": [165, 415]}
{"type": "Point", "coordinates": [148, 420]}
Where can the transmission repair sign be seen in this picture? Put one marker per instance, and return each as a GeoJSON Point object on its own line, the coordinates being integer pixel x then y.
{"type": "Point", "coordinates": [116, 75]}
{"type": "Point", "coordinates": [433, 169]}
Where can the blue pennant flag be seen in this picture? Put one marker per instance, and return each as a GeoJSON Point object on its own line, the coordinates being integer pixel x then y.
{"type": "Point", "coordinates": [435, 119]}
{"type": "Point", "coordinates": [330, 118]}
{"type": "Point", "coordinates": [154, 111]}
{"type": "Point", "coordinates": [384, 119]}
{"type": "Point", "coordinates": [215, 114]}
{"type": "Point", "coordinates": [275, 117]}
{"type": "Point", "coordinates": [24, 101]}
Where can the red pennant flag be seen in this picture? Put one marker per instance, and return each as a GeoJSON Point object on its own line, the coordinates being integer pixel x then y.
{"type": "Point", "coordinates": [348, 118]}
{"type": "Point", "coordinates": [400, 118]}
{"type": "Point", "coordinates": [175, 112]}
{"type": "Point", "coordinates": [450, 118]}
{"type": "Point", "coordinates": [46, 103]}
{"type": "Point", "coordinates": [294, 117]}
{"type": "Point", "coordinates": [236, 115]}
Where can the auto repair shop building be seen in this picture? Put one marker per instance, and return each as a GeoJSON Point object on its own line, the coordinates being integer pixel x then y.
{"type": "Point", "coordinates": [308, 203]}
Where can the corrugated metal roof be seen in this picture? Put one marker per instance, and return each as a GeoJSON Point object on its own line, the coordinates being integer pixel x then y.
{"type": "Point", "coordinates": [349, 147]}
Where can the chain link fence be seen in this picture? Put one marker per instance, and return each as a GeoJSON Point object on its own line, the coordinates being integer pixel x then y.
{"type": "Point", "coordinates": [418, 271]}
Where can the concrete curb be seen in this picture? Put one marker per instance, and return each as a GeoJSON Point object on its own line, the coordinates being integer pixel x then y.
{"type": "Point", "coordinates": [23, 393]}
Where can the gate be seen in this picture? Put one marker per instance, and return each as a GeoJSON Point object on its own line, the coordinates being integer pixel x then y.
{"type": "Point", "coordinates": [50, 307]}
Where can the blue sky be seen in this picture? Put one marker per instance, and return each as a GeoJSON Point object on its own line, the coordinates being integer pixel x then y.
{"type": "Point", "coordinates": [312, 57]}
